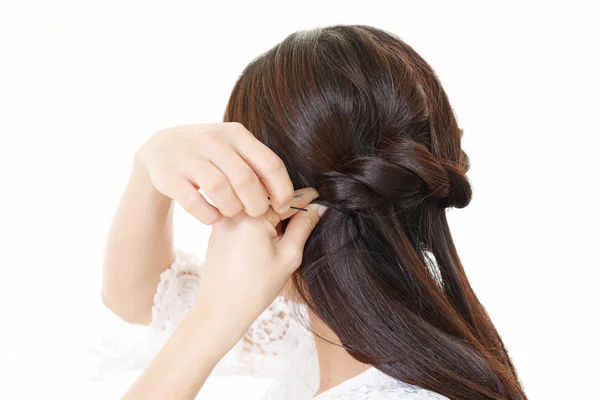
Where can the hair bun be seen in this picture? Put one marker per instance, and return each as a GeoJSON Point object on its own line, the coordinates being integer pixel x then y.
{"type": "Point", "coordinates": [405, 174]}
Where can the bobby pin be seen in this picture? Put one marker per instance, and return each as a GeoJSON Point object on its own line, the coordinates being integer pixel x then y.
{"type": "Point", "coordinates": [296, 196]}
{"type": "Point", "coordinates": [296, 208]}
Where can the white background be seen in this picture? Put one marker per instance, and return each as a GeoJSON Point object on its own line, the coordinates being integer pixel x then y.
{"type": "Point", "coordinates": [83, 84]}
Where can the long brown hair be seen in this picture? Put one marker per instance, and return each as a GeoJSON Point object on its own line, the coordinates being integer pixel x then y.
{"type": "Point", "coordinates": [358, 114]}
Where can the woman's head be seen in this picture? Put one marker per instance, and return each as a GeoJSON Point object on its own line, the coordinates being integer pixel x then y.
{"type": "Point", "coordinates": [356, 113]}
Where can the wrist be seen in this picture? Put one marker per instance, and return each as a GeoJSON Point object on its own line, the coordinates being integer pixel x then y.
{"type": "Point", "coordinates": [184, 362]}
{"type": "Point", "coordinates": [220, 325]}
{"type": "Point", "coordinates": [204, 340]}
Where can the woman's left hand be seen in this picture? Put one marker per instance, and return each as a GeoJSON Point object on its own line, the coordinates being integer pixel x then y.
{"type": "Point", "coordinates": [248, 263]}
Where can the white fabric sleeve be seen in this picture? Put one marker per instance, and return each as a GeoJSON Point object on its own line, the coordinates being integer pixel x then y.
{"type": "Point", "coordinates": [130, 347]}
{"type": "Point", "coordinates": [367, 393]}
{"type": "Point", "coordinates": [177, 290]}
{"type": "Point", "coordinates": [273, 347]}
{"type": "Point", "coordinates": [259, 353]}
{"type": "Point", "coordinates": [385, 389]}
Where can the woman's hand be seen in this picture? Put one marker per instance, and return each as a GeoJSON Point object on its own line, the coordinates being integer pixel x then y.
{"type": "Point", "coordinates": [226, 161]}
{"type": "Point", "coordinates": [249, 261]}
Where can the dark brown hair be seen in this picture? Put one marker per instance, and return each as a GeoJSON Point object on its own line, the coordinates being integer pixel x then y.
{"type": "Point", "coordinates": [356, 113]}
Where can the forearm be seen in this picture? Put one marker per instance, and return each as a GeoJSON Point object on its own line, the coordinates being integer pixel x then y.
{"type": "Point", "coordinates": [184, 363]}
{"type": "Point", "coordinates": [139, 247]}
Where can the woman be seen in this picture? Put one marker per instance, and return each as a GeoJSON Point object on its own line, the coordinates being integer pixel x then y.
{"type": "Point", "coordinates": [366, 300]}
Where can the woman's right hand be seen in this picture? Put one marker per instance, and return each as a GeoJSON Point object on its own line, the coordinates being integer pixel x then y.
{"type": "Point", "coordinates": [233, 168]}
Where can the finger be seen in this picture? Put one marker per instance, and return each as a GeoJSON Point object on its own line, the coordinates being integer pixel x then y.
{"type": "Point", "coordinates": [266, 164]}
{"type": "Point", "coordinates": [245, 183]}
{"type": "Point", "coordinates": [291, 245]}
{"type": "Point", "coordinates": [303, 197]}
{"type": "Point", "coordinates": [273, 217]}
{"type": "Point", "coordinates": [217, 187]}
{"type": "Point", "coordinates": [272, 221]}
{"type": "Point", "coordinates": [193, 202]}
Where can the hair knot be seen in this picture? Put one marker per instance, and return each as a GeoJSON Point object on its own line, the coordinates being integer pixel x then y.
{"type": "Point", "coordinates": [405, 174]}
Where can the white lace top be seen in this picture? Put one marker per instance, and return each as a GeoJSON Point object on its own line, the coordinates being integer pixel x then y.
{"type": "Point", "coordinates": [277, 346]}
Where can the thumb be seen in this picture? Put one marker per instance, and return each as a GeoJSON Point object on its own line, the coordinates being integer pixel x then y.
{"type": "Point", "coordinates": [291, 245]}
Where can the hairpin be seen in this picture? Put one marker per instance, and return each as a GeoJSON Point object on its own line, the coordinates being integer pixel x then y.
{"type": "Point", "coordinates": [298, 208]}
{"type": "Point", "coordinates": [295, 208]}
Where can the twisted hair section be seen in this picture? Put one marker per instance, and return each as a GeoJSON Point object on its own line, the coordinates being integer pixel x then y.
{"type": "Point", "coordinates": [404, 174]}
{"type": "Point", "coordinates": [357, 113]}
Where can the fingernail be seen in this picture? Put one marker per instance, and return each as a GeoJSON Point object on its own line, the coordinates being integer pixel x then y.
{"type": "Point", "coordinates": [321, 210]}
{"type": "Point", "coordinates": [284, 209]}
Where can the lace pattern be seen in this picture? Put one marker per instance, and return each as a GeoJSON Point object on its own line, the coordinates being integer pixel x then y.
{"type": "Point", "coordinates": [265, 348]}
{"type": "Point", "coordinates": [177, 290]}
{"type": "Point", "coordinates": [269, 334]}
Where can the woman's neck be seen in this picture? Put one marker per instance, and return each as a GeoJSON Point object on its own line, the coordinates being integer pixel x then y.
{"type": "Point", "coordinates": [335, 364]}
